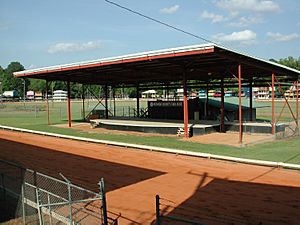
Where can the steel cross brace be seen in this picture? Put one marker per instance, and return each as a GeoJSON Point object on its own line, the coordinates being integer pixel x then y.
{"type": "Point", "coordinates": [99, 102]}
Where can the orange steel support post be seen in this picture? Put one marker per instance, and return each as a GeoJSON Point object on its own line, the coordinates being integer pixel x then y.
{"type": "Point", "coordinates": [69, 104]}
{"type": "Point", "coordinates": [206, 102]}
{"type": "Point", "coordinates": [106, 105]}
{"type": "Point", "coordinates": [297, 105]}
{"type": "Point", "coordinates": [47, 103]}
{"type": "Point", "coordinates": [114, 97]}
{"type": "Point", "coordinates": [250, 101]}
{"type": "Point", "coordinates": [222, 125]}
{"type": "Point", "coordinates": [137, 101]}
{"type": "Point", "coordinates": [83, 106]}
{"type": "Point", "coordinates": [273, 104]}
{"type": "Point", "coordinates": [240, 104]}
{"type": "Point", "coordinates": [185, 107]}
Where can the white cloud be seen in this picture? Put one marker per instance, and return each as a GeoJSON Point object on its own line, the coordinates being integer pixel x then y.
{"type": "Point", "coordinates": [246, 21]}
{"type": "Point", "coordinates": [233, 14]}
{"type": "Point", "coordinates": [73, 47]}
{"type": "Point", "coordinates": [245, 36]}
{"type": "Point", "coordinates": [170, 10]}
{"type": "Point", "coordinates": [215, 18]}
{"type": "Point", "coordinates": [248, 5]}
{"type": "Point", "coordinates": [282, 37]}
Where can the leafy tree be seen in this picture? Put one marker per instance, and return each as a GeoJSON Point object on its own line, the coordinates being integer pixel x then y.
{"type": "Point", "coordinates": [76, 90]}
{"type": "Point", "coordinates": [59, 85]}
{"type": "Point", "coordinates": [9, 82]}
{"type": "Point", "coordinates": [289, 61]}
{"type": "Point", "coordinates": [37, 85]}
{"type": "Point", "coordinates": [131, 91]}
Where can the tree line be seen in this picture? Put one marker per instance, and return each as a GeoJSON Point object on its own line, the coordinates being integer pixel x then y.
{"type": "Point", "coordinates": [8, 82]}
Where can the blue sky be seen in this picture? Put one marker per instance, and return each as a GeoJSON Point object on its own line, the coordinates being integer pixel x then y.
{"type": "Point", "coordinates": [44, 33]}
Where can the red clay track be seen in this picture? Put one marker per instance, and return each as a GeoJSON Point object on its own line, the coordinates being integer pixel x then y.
{"type": "Point", "coordinates": [212, 192]}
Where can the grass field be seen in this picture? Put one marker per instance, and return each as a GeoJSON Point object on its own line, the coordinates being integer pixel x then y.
{"type": "Point", "coordinates": [33, 116]}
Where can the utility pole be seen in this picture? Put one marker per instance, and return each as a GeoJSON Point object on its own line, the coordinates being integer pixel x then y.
{"type": "Point", "coordinates": [24, 90]}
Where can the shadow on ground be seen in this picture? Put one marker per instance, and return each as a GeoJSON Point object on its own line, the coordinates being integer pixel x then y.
{"type": "Point", "coordinates": [229, 202]}
{"type": "Point", "coordinates": [80, 170]}
{"type": "Point", "coordinates": [75, 167]}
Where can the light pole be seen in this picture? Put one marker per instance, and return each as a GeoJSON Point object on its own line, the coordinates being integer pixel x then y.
{"type": "Point", "coordinates": [24, 94]}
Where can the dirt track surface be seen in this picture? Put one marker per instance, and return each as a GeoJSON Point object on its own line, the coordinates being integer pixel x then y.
{"type": "Point", "coordinates": [211, 192]}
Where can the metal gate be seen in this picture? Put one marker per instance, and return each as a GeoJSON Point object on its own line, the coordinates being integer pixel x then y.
{"type": "Point", "coordinates": [37, 198]}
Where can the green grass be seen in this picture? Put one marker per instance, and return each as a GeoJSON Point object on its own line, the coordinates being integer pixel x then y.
{"type": "Point", "coordinates": [14, 115]}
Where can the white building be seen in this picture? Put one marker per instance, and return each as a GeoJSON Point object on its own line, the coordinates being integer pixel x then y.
{"type": "Point", "coordinates": [60, 95]}
{"type": "Point", "coordinates": [262, 92]}
{"type": "Point", "coordinates": [30, 95]}
{"type": "Point", "coordinates": [149, 94]}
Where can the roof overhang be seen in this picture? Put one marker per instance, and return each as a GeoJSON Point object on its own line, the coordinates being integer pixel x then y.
{"type": "Point", "coordinates": [199, 62]}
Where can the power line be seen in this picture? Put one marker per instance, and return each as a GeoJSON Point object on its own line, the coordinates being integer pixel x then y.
{"type": "Point", "coordinates": [160, 22]}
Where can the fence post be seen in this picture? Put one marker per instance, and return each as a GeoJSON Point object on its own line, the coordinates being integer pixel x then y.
{"type": "Point", "coordinates": [37, 198]}
{"type": "Point", "coordinates": [23, 204]}
{"type": "Point", "coordinates": [49, 202]}
{"type": "Point", "coordinates": [157, 210]}
{"type": "Point", "coordinates": [23, 195]}
{"type": "Point", "coordinates": [103, 197]}
{"type": "Point", "coordinates": [69, 196]}
{"type": "Point", "coordinates": [70, 202]}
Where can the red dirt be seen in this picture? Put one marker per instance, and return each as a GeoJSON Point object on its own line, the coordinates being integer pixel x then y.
{"type": "Point", "coordinates": [211, 192]}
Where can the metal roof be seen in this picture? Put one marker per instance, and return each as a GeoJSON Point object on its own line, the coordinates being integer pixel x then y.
{"type": "Point", "coordinates": [200, 62]}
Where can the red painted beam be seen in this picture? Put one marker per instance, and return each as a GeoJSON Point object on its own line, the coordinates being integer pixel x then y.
{"type": "Point", "coordinates": [222, 124]}
{"type": "Point", "coordinates": [273, 104]}
{"type": "Point", "coordinates": [69, 104]}
{"type": "Point", "coordinates": [47, 103]}
{"type": "Point", "coordinates": [106, 104]}
{"type": "Point", "coordinates": [251, 100]}
{"type": "Point", "coordinates": [185, 107]}
{"type": "Point", "coordinates": [297, 104]}
{"type": "Point", "coordinates": [83, 105]}
{"type": "Point", "coordinates": [240, 104]}
{"type": "Point", "coordinates": [137, 101]}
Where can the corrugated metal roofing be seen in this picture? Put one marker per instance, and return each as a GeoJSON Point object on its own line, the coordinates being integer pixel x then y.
{"type": "Point", "coordinates": [203, 58]}
{"type": "Point", "coordinates": [148, 54]}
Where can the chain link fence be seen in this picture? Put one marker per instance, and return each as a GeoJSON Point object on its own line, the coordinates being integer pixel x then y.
{"type": "Point", "coordinates": [36, 112]}
{"type": "Point", "coordinates": [30, 197]}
